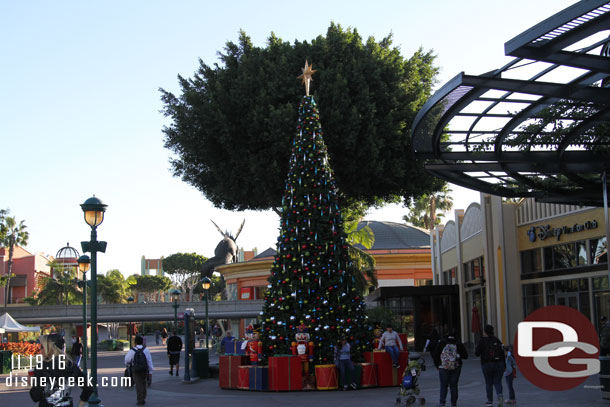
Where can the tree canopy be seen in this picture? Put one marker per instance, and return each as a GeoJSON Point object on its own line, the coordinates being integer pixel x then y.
{"type": "Point", "coordinates": [149, 285]}
{"type": "Point", "coordinates": [112, 287]}
{"type": "Point", "coordinates": [233, 123]}
{"type": "Point", "coordinates": [183, 269]}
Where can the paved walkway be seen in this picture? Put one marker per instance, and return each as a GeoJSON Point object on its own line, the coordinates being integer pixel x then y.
{"type": "Point", "coordinates": [173, 392]}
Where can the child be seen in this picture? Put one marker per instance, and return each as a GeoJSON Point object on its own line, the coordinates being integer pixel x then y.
{"type": "Point", "coordinates": [510, 373]}
{"type": "Point", "coordinates": [343, 361]}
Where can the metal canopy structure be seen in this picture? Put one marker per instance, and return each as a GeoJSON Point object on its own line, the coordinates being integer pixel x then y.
{"type": "Point", "coordinates": [536, 127]}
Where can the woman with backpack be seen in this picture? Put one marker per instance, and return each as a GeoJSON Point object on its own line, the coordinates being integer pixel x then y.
{"type": "Point", "coordinates": [447, 357]}
{"type": "Point", "coordinates": [491, 351]}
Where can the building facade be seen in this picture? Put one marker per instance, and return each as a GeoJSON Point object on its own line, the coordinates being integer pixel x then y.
{"type": "Point", "coordinates": [28, 268]}
{"type": "Point", "coordinates": [401, 252]}
{"type": "Point", "coordinates": [509, 259]}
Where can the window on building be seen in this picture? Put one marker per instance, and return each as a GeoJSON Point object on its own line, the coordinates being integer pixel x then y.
{"type": "Point", "coordinates": [581, 253]}
{"type": "Point", "coordinates": [532, 298]}
{"type": "Point", "coordinates": [599, 251]}
{"type": "Point", "coordinates": [422, 282]}
{"type": "Point", "coordinates": [573, 293]}
{"type": "Point", "coordinates": [474, 270]}
{"type": "Point", "coordinates": [564, 256]}
{"type": "Point", "coordinates": [531, 261]}
{"type": "Point", "coordinates": [259, 292]}
{"type": "Point", "coordinates": [601, 300]}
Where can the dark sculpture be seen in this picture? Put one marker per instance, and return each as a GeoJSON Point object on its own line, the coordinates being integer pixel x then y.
{"type": "Point", "coordinates": [225, 252]}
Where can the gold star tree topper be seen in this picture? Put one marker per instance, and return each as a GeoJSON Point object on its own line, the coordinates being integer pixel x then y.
{"type": "Point", "coordinates": [306, 76]}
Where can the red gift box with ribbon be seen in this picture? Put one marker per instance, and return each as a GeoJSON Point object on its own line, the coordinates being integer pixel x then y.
{"type": "Point", "coordinates": [386, 374]}
{"type": "Point", "coordinates": [228, 367]}
{"type": "Point", "coordinates": [285, 373]}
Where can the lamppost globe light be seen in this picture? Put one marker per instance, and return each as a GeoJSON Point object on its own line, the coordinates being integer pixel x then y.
{"type": "Point", "coordinates": [174, 293]}
{"type": "Point", "coordinates": [83, 263]}
{"type": "Point", "coordinates": [206, 283]}
{"type": "Point", "coordinates": [94, 210]}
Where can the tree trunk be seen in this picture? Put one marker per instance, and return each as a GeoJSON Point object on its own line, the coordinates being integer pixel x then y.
{"type": "Point", "coordinates": [11, 250]}
{"type": "Point", "coordinates": [432, 213]}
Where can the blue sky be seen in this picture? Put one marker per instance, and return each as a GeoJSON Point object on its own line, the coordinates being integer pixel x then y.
{"type": "Point", "coordinates": [79, 113]}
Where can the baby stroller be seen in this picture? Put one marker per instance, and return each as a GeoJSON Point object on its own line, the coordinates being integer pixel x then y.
{"type": "Point", "coordinates": [409, 388]}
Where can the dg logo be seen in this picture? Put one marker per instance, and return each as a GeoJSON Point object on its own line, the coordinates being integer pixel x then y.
{"type": "Point", "coordinates": [557, 348]}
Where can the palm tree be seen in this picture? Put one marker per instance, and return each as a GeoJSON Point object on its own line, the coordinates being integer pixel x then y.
{"type": "Point", "coordinates": [363, 261]}
{"type": "Point", "coordinates": [423, 212]}
{"type": "Point", "coordinates": [11, 234]}
{"type": "Point", "coordinates": [59, 288]}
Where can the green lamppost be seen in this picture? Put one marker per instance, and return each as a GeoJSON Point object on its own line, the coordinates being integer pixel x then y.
{"type": "Point", "coordinates": [83, 266]}
{"type": "Point", "coordinates": [175, 295]}
{"type": "Point", "coordinates": [130, 300]}
{"type": "Point", "coordinates": [94, 209]}
{"type": "Point", "coordinates": [206, 283]}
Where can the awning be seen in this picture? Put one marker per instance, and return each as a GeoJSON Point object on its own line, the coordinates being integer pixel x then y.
{"type": "Point", "coordinates": [536, 127]}
{"type": "Point", "coordinates": [8, 324]}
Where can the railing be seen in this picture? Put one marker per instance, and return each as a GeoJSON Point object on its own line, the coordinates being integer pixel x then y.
{"type": "Point", "coordinates": [134, 312]}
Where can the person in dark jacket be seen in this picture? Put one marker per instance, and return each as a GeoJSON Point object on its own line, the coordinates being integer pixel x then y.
{"type": "Point", "coordinates": [56, 370]}
{"type": "Point", "coordinates": [77, 351]}
{"type": "Point", "coordinates": [491, 351]}
{"type": "Point", "coordinates": [432, 341]}
{"type": "Point", "coordinates": [447, 356]}
{"type": "Point", "coordinates": [174, 348]}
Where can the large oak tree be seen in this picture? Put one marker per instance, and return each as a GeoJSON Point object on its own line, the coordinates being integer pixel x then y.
{"type": "Point", "coordinates": [233, 122]}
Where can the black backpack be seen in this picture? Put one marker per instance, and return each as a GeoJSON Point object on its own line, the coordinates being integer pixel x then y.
{"type": "Point", "coordinates": [139, 363]}
{"type": "Point", "coordinates": [495, 351]}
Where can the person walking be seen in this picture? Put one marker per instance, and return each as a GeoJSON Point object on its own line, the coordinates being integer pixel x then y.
{"type": "Point", "coordinates": [164, 336]}
{"type": "Point", "coordinates": [491, 352]}
{"type": "Point", "coordinates": [53, 393]}
{"type": "Point", "coordinates": [432, 341]}
{"type": "Point", "coordinates": [392, 342]}
{"type": "Point", "coordinates": [77, 351]}
{"type": "Point", "coordinates": [157, 336]}
{"type": "Point", "coordinates": [510, 373]}
{"type": "Point", "coordinates": [139, 360]}
{"type": "Point", "coordinates": [447, 356]}
{"type": "Point", "coordinates": [343, 361]}
{"type": "Point", "coordinates": [174, 348]}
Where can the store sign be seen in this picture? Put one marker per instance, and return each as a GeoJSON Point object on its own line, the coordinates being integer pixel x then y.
{"type": "Point", "coordinates": [543, 232]}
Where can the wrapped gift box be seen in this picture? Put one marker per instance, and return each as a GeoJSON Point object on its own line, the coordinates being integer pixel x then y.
{"type": "Point", "coordinates": [285, 373]}
{"type": "Point", "coordinates": [351, 377]}
{"type": "Point", "coordinates": [228, 366]}
{"type": "Point", "coordinates": [326, 377]}
{"type": "Point", "coordinates": [369, 375]}
{"type": "Point", "coordinates": [386, 374]}
{"type": "Point", "coordinates": [259, 378]}
{"type": "Point", "coordinates": [243, 377]}
{"type": "Point", "coordinates": [234, 348]}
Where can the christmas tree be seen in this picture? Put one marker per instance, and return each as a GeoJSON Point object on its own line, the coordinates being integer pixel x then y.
{"type": "Point", "coordinates": [312, 278]}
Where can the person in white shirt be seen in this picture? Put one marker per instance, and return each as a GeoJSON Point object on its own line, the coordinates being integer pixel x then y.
{"type": "Point", "coordinates": [138, 358]}
{"type": "Point", "coordinates": [392, 342]}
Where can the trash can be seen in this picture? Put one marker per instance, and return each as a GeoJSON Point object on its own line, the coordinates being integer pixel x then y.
{"type": "Point", "coordinates": [201, 363]}
{"type": "Point", "coordinates": [5, 361]}
{"type": "Point", "coordinates": [604, 376]}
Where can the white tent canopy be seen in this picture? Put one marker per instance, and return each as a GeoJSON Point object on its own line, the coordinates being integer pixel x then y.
{"type": "Point", "coordinates": [8, 324]}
